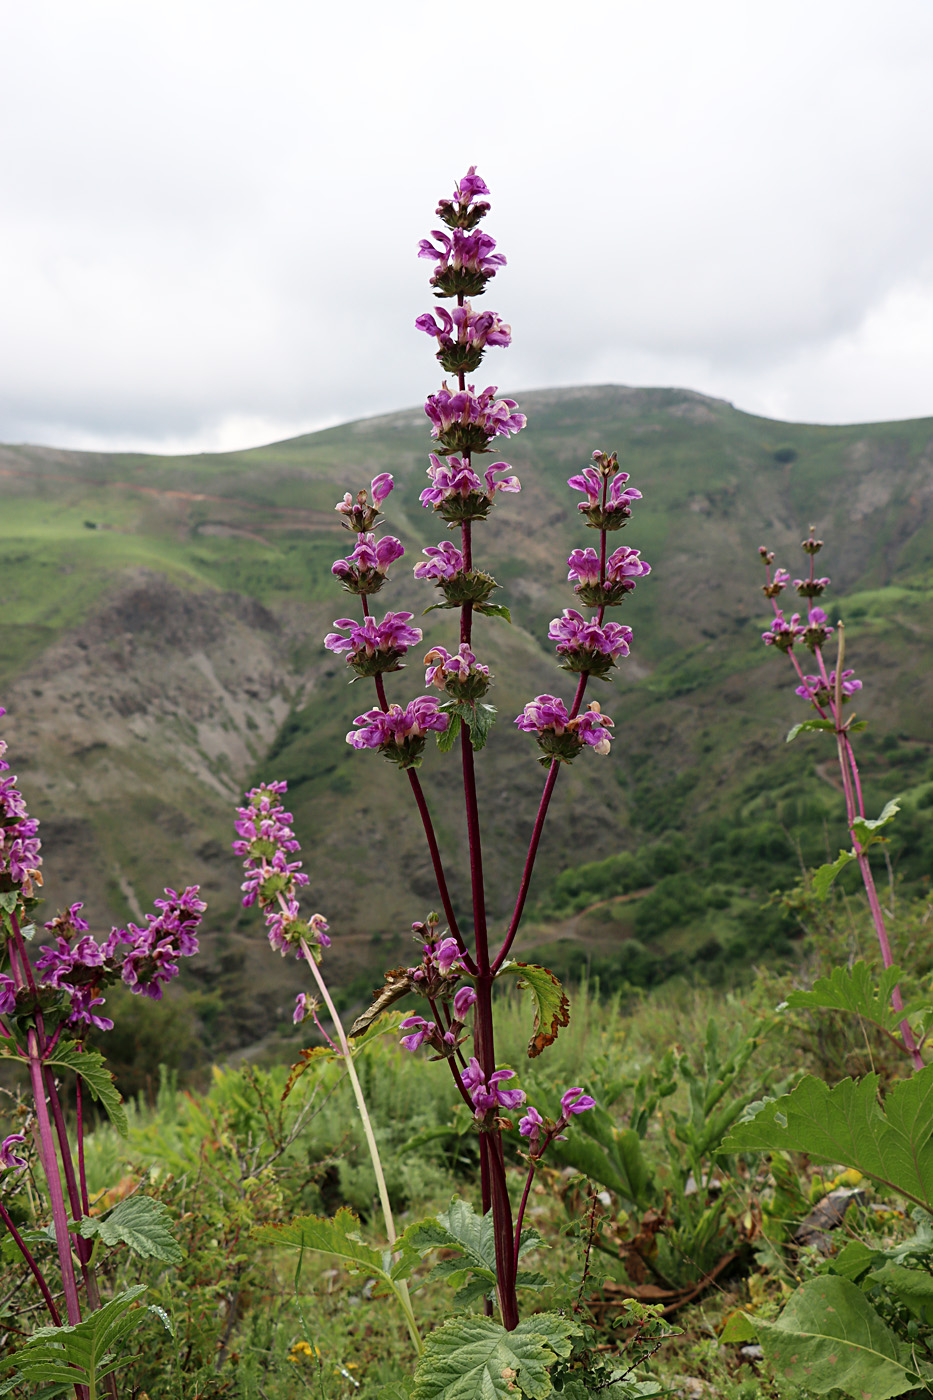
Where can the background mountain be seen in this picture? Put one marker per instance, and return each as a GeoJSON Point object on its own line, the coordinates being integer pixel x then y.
{"type": "Point", "coordinates": [160, 649]}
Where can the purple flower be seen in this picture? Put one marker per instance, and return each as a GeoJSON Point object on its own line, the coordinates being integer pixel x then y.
{"type": "Point", "coordinates": [623, 567]}
{"type": "Point", "coordinates": [460, 675]}
{"type": "Point", "coordinates": [304, 1007]}
{"type": "Point", "coordinates": [421, 1031]}
{"type": "Point", "coordinates": [530, 1126]}
{"type": "Point", "coordinates": [399, 732]}
{"type": "Point", "coordinates": [69, 923]}
{"type": "Point", "coordinates": [7, 995]}
{"type": "Point", "coordinates": [619, 498]}
{"type": "Point", "coordinates": [358, 514]}
{"type": "Point", "coordinates": [447, 957]}
{"type": "Point", "coordinates": [575, 1101]}
{"type": "Point", "coordinates": [171, 934]}
{"type": "Point", "coordinates": [8, 1158]}
{"type": "Point", "coordinates": [374, 647]}
{"type": "Point", "coordinates": [558, 735]}
{"type": "Point", "coordinates": [818, 629]}
{"type": "Point", "coordinates": [810, 587]}
{"type": "Point", "coordinates": [443, 562]}
{"type": "Point", "coordinates": [19, 842]}
{"type": "Point", "coordinates": [457, 493]}
{"type": "Point", "coordinates": [266, 840]}
{"type": "Point", "coordinates": [366, 569]}
{"type": "Point", "coordinates": [587, 646]}
{"type": "Point", "coordinates": [465, 261]}
{"type": "Point", "coordinates": [465, 421]}
{"type": "Point", "coordinates": [460, 211]}
{"type": "Point", "coordinates": [486, 1096]}
{"type": "Point", "coordinates": [464, 998]}
{"type": "Point", "coordinates": [783, 634]}
{"type": "Point", "coordinates": [463, 334]}
{"type": "Point", "coordinates": [821, 695]}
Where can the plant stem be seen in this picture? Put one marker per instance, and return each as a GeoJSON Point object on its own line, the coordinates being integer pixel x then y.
{"type": "Point", "coordinates": [400, 1286]}
{"type": "Point", "coordinates": [521, 1210]}
{"type": "Point", "coordinates": [34, 1267]}
{"type": "Point", "coordinates": [50, 1164]}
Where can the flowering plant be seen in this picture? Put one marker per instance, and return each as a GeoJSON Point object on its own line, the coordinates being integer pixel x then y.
{"type": "Point", "coordinates": [459, 964]}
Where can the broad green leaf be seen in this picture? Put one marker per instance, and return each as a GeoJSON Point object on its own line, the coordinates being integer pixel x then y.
{"type": "Point", "coordinates": [448, 737]}
{"type": "Point", "coordinates": [478, 718]}
{"type": "Point", "coordinates": [740, 1327]}
{"type": "Point", "coordinates": [845, 1124]}
{"type": "Point", "coordinates": [339, 1237]}
{"type": "Point", "coordinates": [826, 874]}
{"type": "Point", "coordinates": [854, 989]}
{"type": "Point", "coordinates": [807, 726]}
{"type": "Point", "coordinates": [140, 1222]}
{"type": "Point", "coordinates": [493, 610]}
{"type": "Point", "coordinates": [552, 1008]}
{"type": "Point", "coordinates": [471, 1235]}
{"type": "Point", "coordinates": [829, 1336]}
{"type": "Point", "coordinates": [9, 900]}
{"type": "Point", "coordinates": [912, 1287]}
{"type": "Point", "coordinates": [93, 1070]}
{"type": "Point", "coordinates": [84, 1353]}
{"type": "Point", "coordinates": [853, 1260]}
{"type": "Point", "coordinates": [867, 832]}
{"type": "Point", "coordinates": [475, 1358]}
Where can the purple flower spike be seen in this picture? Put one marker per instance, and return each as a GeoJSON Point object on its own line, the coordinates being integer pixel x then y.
{"type": "Point", "coordinates": [153, 957]}
{"type": "Point", "coordinates": [399, 734]}
{"type": "Point", "coordinates": [465, 421]}
{"type": "Point", "coordinates": [561, 737]}
{"type": "Point", "coordinates": [372, 647]}
{"type": "Point", "coordinates": [623, 567]}
{"type": "Point", "coordinates": [19, 841]}
{"type": "Point", "coordinates": [461, 211]}
{"type": "Point", "coordinates": [586, 646]}
{"type": "Point", "coordinates": [810, 587]}
{"type": "Point", "coordinates": [266, 840]}
{"type": "Point", "coordinates": [8, 1157]}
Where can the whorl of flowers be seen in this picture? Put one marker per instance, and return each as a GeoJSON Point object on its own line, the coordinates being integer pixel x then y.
{"type": "Point", "coordinates": [465, 261]}
{"type": "Point", "coordinates": [782, 634]}
{"type": "Point", "coordinates": [558, 735]}
{"type": "Point", "coordinates": [444, 565]}
{"type": "Point", "coordinates": [462, 335]}
{"type": "Point", "coordinates": [20, 861]}
{"type": "Point", "coordinates": [587, 646]}
{"type": "Point", "coordinates": [365, 570]}
{"type": "Point", "coordinates": [459, 674]}
{"type": "Point", "coordinates": [399, 732]}
{"type": "Point", "coordinates": [169, 935]}
{"type": "Point", "coordinates": [487, 1094]}
{"type": "Point", "coordinates": [444, 561]}
{"type": "Point", "coordinates": [358, 514]}
{"type": "Point", "coordinates": [815, 689]}
{"type": "Point", "coordinates": [619, 498]}
{"type": "Point", "coordinates": [540, 1132]}
{"type": "Point", "coordinates": [460, 211]}
{"type": "Point", "coordinates": [459, 493]}
{"type": "Point", "coordinates": [623, 568]}
{"type": "Point", "coordinates": [464, 421]}
{"type": "Point", "coordinates": [373, 647]}
{"type": "Point", "coordinates": [266, 840]}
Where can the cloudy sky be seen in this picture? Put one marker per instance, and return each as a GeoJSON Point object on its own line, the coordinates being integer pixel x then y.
{"type": "Point", "coordinates": [210, 208]}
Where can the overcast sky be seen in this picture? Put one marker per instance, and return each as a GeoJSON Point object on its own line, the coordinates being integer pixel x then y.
{"type": "Point", "coordinates": [210, 211]}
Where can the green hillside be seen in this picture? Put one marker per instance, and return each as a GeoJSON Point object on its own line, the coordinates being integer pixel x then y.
{"type": "Point", "coordinates": [160, 649]}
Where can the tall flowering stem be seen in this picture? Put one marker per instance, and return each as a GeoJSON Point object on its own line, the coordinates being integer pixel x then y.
{"type": "Point", "coordinates": [827, 693]}
{"type": "Point", "coordinates": [456, 975]}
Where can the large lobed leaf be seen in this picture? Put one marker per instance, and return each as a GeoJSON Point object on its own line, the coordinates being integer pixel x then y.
{"type": "Point", "coordinates": [854, 989]}
{"type": "Point", "coordinates": [83, 1353]}
{"type": "Point", "coordinates": [475, 1358]}
{"type": "Point", "coordinates": [847, 1125]}
{"type": "Point", "coordinates": [140, 1222]}
{"type": "Point", "coordinates": [829, 1336]}
{"type": "Point", "coordinates": [93, 1070]}
{"type": "Point", "coordinates": [552, 1008]}
{"type": "Point", "coordinates": [339, 1237]}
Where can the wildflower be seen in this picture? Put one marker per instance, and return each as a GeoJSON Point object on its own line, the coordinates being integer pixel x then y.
{"type": "Point", "coordinates": [585, 645]}
{"type": "Point", "coordinates": [460, 675]}
{"type": "Point", "coordinates": [305, 1006]}
{"type": "Point", "coordinates": [7, 995]}
{"type": "Point", "coordinates": [815, 690]}
{"type": "Point", "coordinates": [444, 565]}
{"type": "Point", "coordinates": [374, 647]}
{"type": "Point", "coordinates": [575, 1101]}
{"type": "Point", "coordinates": [623, 567]}
{"type": "Point", "coordinates": [464, 998]}
{"type": "Point", "coordinates": [266, 840]}
{"type": "Point", "coordinates": [419, 1032]}
{"type": "Point", "coordinates": [69, 923]}
{"type": "Point", "coordinates": [530, 1127]}
{"type": "Point", "coordinates": [168, 935]}
{"type": "Point", "coordinates": [366, 569]}
{"type": "Point", "coordinates": [399, 733]}
{"type": "Point", "coordinates": [460, 211]}
{"type": "Point", "coordinates": [558, 735]}
{"type": "Point", "coordinates": [358, 514]}
{"type": "Point", "coordinates": [818, 629]}
{"type": "Point", "coordinates": [8, 1157]}
{"type": "Point", "coordinates": [489, 1095]}
{"type": "Point", "coordinates": [777, 584]}
{"type": "Point", "coordinates": [618, 508]}
{"type": "Point", "coordinates": [458, 493]}
{"type": "Point", "coordinates": [462, 335]}
{"type": "Point", "coordinates": [465, 421]}
{"type": "Point", "coordinates": [783, 634]}
{"type": "Point", "coordinates": [19, 841]}
{"type": "Point", "coordinates": [465, 261]}
{"type": "Point", "coordinates": [810, 587]}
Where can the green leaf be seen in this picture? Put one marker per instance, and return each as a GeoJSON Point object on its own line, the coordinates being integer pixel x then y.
{"type": "Point", "coordinates": [807, 726]}
{"type": "Point", "coordinates": [475, 1358]}
{"type": "Point", "coordinates": [9, 900]}
{"type": "Point", "coordinates": [826, 874]}
{"type": "Point", "coordinates": [740, 1327]}
{"type": "Point", "coordinates": [339, 1237]}
{"type": "Point", "coordinates": [846, 1124]}
{"type": "Point", "coordinates": [93, 1070]}
{"type": "Point", "coordinates": [493, 610]}
{"type": "Point", "coordinates": [84, 1353]}
{"type": "Point", "coordinates": [867, 832]}
{"type": "Point", "coordinates": [853, 989]}
{"type": "Point", "coordinates": [448, 737]}
{"type": "Point", "coordinates": [829, 1336]}
{"type": "Point", "coordinates": [140, 1222]}
{"type": "Point", "coordinates": [853, 1260]}
{"type": "Point", "coordinates": [552, 1009]}
{"type": "Point", "coordinates": [912, 1287]}
{"type": "Point", "coordinates": [459, 1228]}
